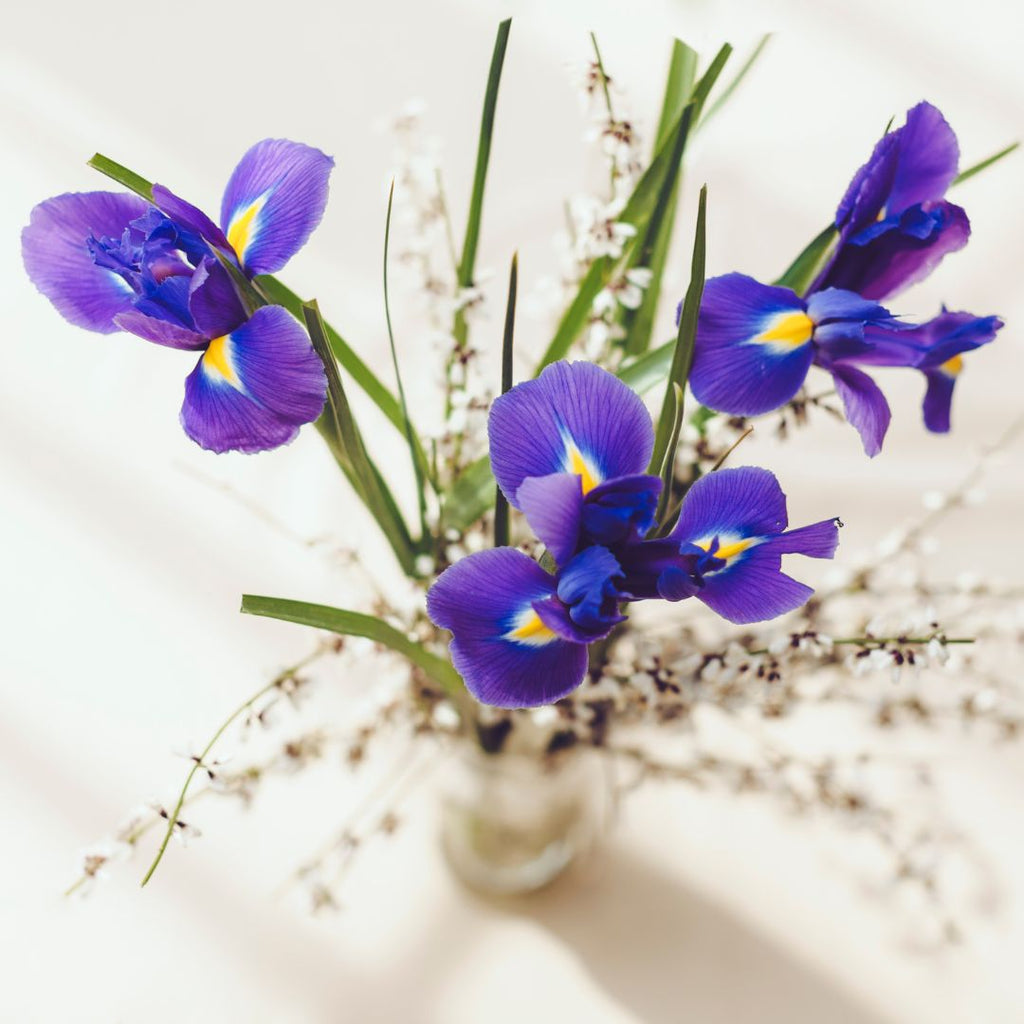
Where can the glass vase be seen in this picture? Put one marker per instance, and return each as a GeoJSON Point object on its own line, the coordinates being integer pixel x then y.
{"type": "Point", "coordinates": [511, 823]}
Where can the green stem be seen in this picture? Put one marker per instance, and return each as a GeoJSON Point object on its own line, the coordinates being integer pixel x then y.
{"type": "Point", "coordinates": [200, 761]}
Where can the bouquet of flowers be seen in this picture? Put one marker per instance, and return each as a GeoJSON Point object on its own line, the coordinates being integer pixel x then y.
{"type": "Point", "coordinates": [561, 509]}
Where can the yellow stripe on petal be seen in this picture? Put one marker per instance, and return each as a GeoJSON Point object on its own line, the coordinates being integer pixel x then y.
{"type": "Point", "coordinates": [217, 361]}
{"type": "Point", "coordinates": [578, 463]}
{"type": "Point", "coordinates": [787, 331]}
{"type": "Point", "coordinates": [730, 549]}
{"type": "Point", "coordinates": [951, 367]}
{"type": "Point", "coordinates": [243, 226]}
{"type": "Point", "coordinates": [531, 631]}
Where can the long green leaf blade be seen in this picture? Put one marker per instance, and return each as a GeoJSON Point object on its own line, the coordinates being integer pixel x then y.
{"type": "Point", "coordinates": [737, 79]}
{"type": "Point", "coordinates": [342, 433]}
{"type": "Point", "coordinates": [467, 263]}
{"type": "Point", "coordinates": [707, 81]}
{"type": "Point", "coordinates": [652, 253]}
{"type": "Point", "coordinates": [123, 176]}
{"type": "Point", "coordinates": [651, 368]}
{"type": "Point", "coordinates": [501, 531]}
{"type": "Point", "coordinates": [984, 164]}
{"type": "Point", "coordinates": [682, 357]}
{"type": "Point", "coordinates": [801, 273]}
{"type": "Point", "coordinates": [471, 496]}
{"type": "Point", "coordinates": [349, 623]}
{"type": "Point", "coordinates": [410, 433]}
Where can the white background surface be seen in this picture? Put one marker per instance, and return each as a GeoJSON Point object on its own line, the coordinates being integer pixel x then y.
{"type": "Point", "coordinates": [122, 569]}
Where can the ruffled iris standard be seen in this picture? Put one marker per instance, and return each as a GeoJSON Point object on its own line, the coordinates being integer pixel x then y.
{"type": "Point", "coordinates": [110, 262]}
{"type": "Point", "coordinates": [570, 449]}
{"type": "Point", "coordinates": [756, 343]}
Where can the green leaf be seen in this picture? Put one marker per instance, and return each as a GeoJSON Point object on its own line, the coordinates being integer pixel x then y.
{"type": "Point", "coordinates": [467, 263]}
{"type": "Point", "coordinates": [341, 432]}
{"type": "Point", "coordinates": [500, 501]}
{"type": "Point", "coordinates": [983, 164]}
{"type": "Point", "coordinates": [805, 268]}
{"type": "Point", "coordinates": [410, 434]}
{"type": "Point", "coordinates": [280, 294]}
{"type": "Point", "coordinates": [737, 79]}
{"type": "Point", "coordinates": [575, 317]}
{"type": "Point", "coordinates": [650, 369]}
{"type": "Point", "coordinates": [471, 496]}
{"type": "Point", "coordinates": [116, 172]}
{"type": "Point", "coordinates": [682, 356]}
{"type": "Point", "coordinates": [703, 88]}
{"type": "Point", "coordinates": [348, 623]}
{"type": "Point", "coordinates": [652, 253]}
{"type": "Point", "coordinates": [668, 465]}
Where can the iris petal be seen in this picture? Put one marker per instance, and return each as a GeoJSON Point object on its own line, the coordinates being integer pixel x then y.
{"type": "Point", "coordinates": [190, 217]}
{"type": "Point", "coordinates": [274, 200]}
{"type": "Point", "coordinates": [753, 346]}
{"type": "Point", "coordinates": [255, 387]}
{"type": "Point", "coordinates": [553, 506]}
{"type": "Point", "coordinates": [906, 251]}
{"type": "Point", "coordinates": [575, 418]}
{"type": "Point", "coordinates": [929, 156]}
{"type": "Point", "coordinates": [58, 260]}
{"type": "Point", "coordinates": [213, 300]}
{"type": "Point", "coordinates": [746, 501]}
{"type": "Point", "coordinates": [754, 589]}
{"type": "Point", "coordinates": [481, 600]}
{"type": "Point", "coordinates": [161, 332]}
{"type": "Point", "coordinates": [864, 404]}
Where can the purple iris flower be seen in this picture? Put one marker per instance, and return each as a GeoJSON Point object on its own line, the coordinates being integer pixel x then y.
{"type": "Point", "coordinates": [894, 224]}
{"type": "Point", "coordinates": [568, 449]}
{"type": "Point", "coordinates": [755, 343]}
{"type": "Point", "coordinates": [110, 262]}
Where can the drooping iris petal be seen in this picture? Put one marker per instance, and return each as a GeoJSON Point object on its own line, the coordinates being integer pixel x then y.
{"type": "Point", "coordinates": [161, 332]}
{"type": "Point", "coordinates": [190, 217]}
{"type": "Point", "coordinates": [864, 404]}
{"type": "Point", "coordinates": [938, 396]}
{"type": "Point", "coordinates": [753, 589]}
{"type": "Point", "coordinates": [745, 502]}
{"type": "Point", "coordinates": [753, 347]}
{"type": "Point", "coordinates": [213, 299]}
{"type": "Point", "coordinates": [274, 200]}
{"type": "Point", "coordinates": [941, 342]}
{"type": "Point", "coordinates": [253, 388]}
{"type": "Point", "coordinates": [507, 656]}
{"type": "Point", "coordinates": [553, 506]}
{"type": "Point", "coordinates": [573, 418]}
{"type": "Point", "coordinates": [55, 251]}
{"type": "Point", "coordinates": [900, 251]}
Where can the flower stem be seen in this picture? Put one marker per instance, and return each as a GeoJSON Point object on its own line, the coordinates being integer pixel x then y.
{"type": "Point", "coordinates": [198, 762]}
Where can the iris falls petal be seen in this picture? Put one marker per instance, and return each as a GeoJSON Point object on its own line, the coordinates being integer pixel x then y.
{"type": "Point", "coordinates": [753, 347]}
{"type": "Point", "coordinates": [253, 388]}
{"type": "Point", "coordinates": [500, 646]}
{"type": "Point", "coordinates": [55, 250]}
